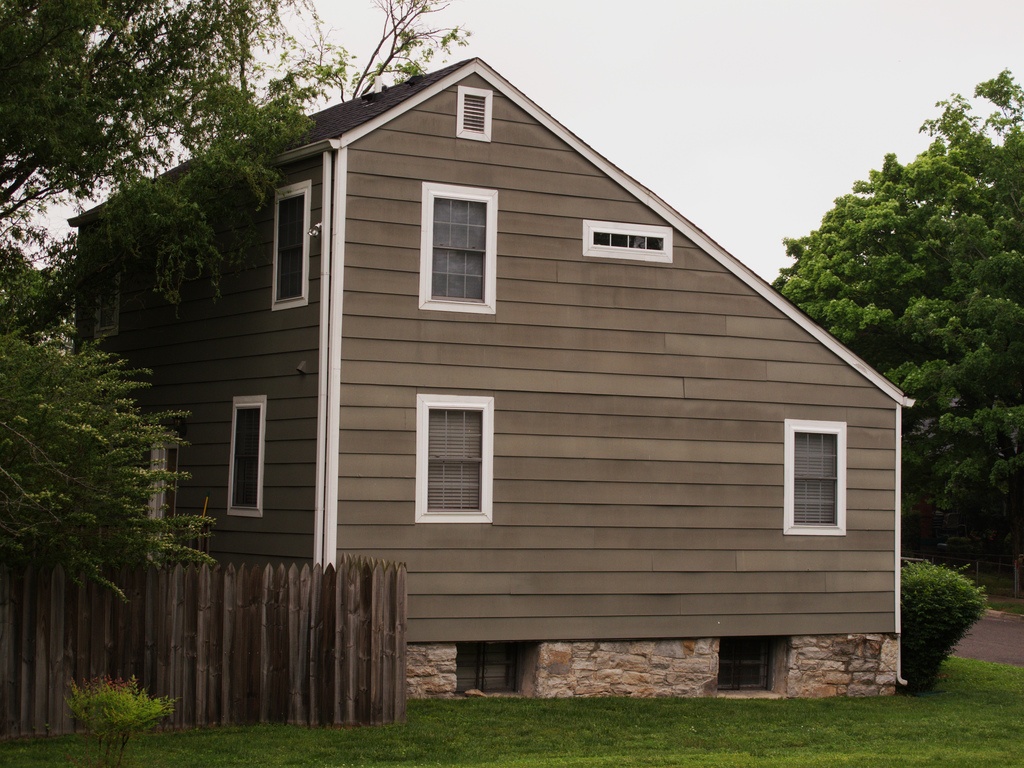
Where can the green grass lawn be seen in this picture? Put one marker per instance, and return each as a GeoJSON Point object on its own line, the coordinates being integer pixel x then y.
{"type": "Point", "coordinates": [1006, 606]}
{"type": "Point", "coordinates": [977, 720]}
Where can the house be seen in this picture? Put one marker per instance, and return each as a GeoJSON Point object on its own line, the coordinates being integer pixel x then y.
{"type": "Point", "coordinates": [614, 460]}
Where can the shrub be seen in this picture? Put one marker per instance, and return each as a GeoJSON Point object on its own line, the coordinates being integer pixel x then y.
{"type": "Point", "coordinates": [112, 711]}
{"type": "Point", "coordinates": [75, 473]}
{"type": "Point", "coordinates": [939, 606]}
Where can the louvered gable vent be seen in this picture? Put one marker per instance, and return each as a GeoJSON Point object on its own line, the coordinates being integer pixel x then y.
{"type": "Point", "coordinates": [474, 113]}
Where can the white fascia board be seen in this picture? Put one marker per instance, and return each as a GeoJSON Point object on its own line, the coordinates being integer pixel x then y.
{"type": "Point", "coordinates": [651, 200]}
{"type": "Point", "coordinates": [307, 150]}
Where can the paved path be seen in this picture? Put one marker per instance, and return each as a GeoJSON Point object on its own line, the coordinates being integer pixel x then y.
{"type": "Point", "coordinates": [998, 637]}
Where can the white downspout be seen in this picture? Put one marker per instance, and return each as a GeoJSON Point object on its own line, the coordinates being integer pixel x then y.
{"type": "Point", "coordinates": [332, 261]}
{"type": "Point", "coordinates": [335, 314]}
{"type": "Point", "coordinates": [323, 366]}
{"type": "Point", "coordinates": [899, 543]}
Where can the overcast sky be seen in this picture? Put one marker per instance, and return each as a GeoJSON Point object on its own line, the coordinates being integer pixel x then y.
{"type": "Point", "coordinates": [748, 117]}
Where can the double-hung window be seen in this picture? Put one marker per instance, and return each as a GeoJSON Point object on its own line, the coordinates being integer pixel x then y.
{"type": "Point", "coordinates": [459, 248]}
{"type": "Point", "coordinates": [291, 245]}
{"type": "Point", "coordinates": [454, 458]}
{"type": "Point", "coordinates": [815, 483]}
{"type": "Point", "coordinates": [245, 482]}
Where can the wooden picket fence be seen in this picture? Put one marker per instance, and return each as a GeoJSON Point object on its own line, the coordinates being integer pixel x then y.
{"type": "Point", "coordinates": [309, 646]}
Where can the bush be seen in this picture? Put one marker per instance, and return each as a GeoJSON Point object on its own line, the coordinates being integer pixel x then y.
{"type": "Point", "coordinates": [113, 711]}
{"type": "Point", "coordinates": [75, 474]}
{"type": "Point", "coordinates": [939, 606]}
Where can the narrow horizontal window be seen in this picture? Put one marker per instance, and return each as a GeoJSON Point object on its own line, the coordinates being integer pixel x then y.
{"type": "Point", "coordinates": [639, 242]}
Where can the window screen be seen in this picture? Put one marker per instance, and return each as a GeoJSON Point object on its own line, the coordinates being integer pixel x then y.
{"type": "Point", "coordinates": [460, 240]}
{"type": "Point", "coordinates": [290, 234]}
{"type": "Point", "coordinates": [814, 478]}
{"type": "Point", "coordinates": [245, 489]}
{"type": "Point", "coordinates": [454, 460]}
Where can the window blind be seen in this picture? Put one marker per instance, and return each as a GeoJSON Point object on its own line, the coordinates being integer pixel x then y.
{"type": "Point", "coordinates": [815, 478]}
{"type": "Point", "coordinates": [455, 443]}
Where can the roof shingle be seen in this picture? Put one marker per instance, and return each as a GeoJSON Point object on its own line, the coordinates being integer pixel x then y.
{"type": "Point", "coordinates": [341, 118]}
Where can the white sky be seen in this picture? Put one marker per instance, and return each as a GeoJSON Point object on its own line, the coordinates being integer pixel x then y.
{"type": "Point", "coordinates": [748, 117]}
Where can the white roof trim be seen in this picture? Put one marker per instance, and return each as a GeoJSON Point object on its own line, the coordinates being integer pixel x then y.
{"type": "Point", "coordinates": [655, 203]}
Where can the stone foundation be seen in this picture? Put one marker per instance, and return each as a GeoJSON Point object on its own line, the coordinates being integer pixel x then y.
{"type": "Point", "coordinates": [642, 668]}
{"type": "Point", "coordinates": [430, 670]}
{"type": "Point", "coordinates": [841, 665]}
{"type": "Point", "coordinates": [806, 666]}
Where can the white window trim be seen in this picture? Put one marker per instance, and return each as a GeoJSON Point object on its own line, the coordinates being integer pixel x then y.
{"type": "Point", "coordinates": [247, 401]}
{"type": "Point", "coordinates": [431, 191]}
{"type": "Point", "coordinates": [837, 428]}
{"type": "Point", "coordinates": [466, 133]}
{"type": "Point", "coordinates": [428, 402]}
{"type": "Point", "coordinates": [590, 250]}
{"type": "Point", "coordinates": [304, 188]}
{"type": "Point", "coordinates": [158, 460]}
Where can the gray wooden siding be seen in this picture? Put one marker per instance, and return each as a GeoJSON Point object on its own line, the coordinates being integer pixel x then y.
{"type": "Point", "coordinates": [639, 416]}
{"type": "Point", "coordinates": [208, 351]}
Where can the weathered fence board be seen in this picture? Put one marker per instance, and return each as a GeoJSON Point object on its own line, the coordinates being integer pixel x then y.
{"type": "Point", "coordinates": [307, 646]}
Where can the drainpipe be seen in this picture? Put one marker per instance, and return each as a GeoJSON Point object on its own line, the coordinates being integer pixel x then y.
{"type": "Point", "coordinates": [899, 544]}
{"type": "Point", "coordinates": [325, 535]}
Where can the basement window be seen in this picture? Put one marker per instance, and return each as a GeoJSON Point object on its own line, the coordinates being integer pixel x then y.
{"type": "Point", "coordinates": [638, 242]}
{"type": "Point", "coordinates": [743, 663]}
{"type": "Point", "coordinates": [487, 667]}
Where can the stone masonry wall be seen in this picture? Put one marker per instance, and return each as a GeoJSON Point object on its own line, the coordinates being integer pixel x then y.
{"type": "Point", "coordinates": [430, 671]}
{"type": "Point", "coordinates": [814, 666]}
{"type": "Point", "coordinates": [841, 665]}
{"type": "Point", "coordinates": [644, 668]}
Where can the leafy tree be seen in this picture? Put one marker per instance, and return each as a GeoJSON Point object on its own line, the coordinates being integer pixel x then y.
{"type": "Point", "coordinates": [920, 270]}
{"type": "Point", "coordinates": [408, 42]}
{"type": "Point", "coordinates": [103, 97]}
{"type": "Point", "coordinates": [75, 481]}
{"type": "Point", "coordinates": [175, 111]}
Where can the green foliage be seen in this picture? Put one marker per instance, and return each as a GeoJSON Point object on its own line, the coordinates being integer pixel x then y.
{"type": "Point", "coordinates": [104, 97]}
{"type": "Point", "coordinates": [113, 711]}
{"type": "Point", "coordinates": [920, 270]}
{"type": "Point", "coordinates": [939, 606]}
{"type": "Point", "coordinates": [75, 479]}
{"type": "Point", "coordinates": [974, 725]}
{"type": "Point", "coordinates": [409, 41]}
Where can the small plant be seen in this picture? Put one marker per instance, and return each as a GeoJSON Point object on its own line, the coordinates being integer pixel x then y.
{"type": "Point", "coordinates": [939, 606]}
{"type": "Point", "coordinates": [112, 711]}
